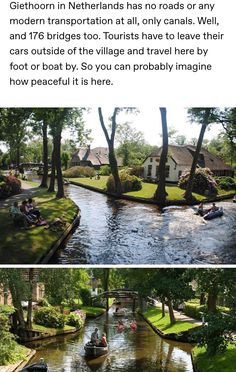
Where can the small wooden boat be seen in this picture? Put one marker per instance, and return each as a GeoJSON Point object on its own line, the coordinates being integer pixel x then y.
{"type": "Point", "coordinates": [95, 351]}
{"type": "Point", "coordinates": [213, 214]}
{"type": "Point", "coordinates": [119, 313]}
{"type": "Point", "coordinates": [40, 366]}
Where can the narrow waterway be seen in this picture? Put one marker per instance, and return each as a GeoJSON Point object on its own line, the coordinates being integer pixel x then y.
{"type": "Point", "coordinates": [123, 232]}
{"type": "Point", "coordinates": [140, 350]}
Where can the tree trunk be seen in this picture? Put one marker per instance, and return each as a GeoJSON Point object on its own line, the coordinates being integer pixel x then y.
{"type": "Point", "coordinates": [163, 309]}
{"type": "Point", "coordinates": [44, 182]}
{"type": "Point", "coordinates": [106, 274]}
{"type": "Point", "coordinates": [211, 301]}
{"type": "Point", "coordinates": [160, 194]}
{"type": "Point", "coordinates": [52, 178]}
{"type": "Point", "coordinates": [57, 148]}
{"type": "Point", "coordinates": [171, 311]}
{"type": "Point", "coordinates": [188, 193]}
{"type": "Point", "coordinates": [17, 155]}
{"type": "Point", "coordinates": [110, 142]}
{"type": "Point", "coordinates": [30, 300]}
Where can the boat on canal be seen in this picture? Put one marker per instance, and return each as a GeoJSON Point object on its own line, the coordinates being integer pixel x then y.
{"type": "Point", "coordinates": [36, 367]}
{"type": "Point", "coordinates": [213, 214]}
{"type": "Point", "coordinates": [119, 313]}
{"type": "Point", "coordinates": [95, 351]}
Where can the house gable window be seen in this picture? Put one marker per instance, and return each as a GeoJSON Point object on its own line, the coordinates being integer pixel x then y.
{"type": "Point", "coordinates": [151, 159]}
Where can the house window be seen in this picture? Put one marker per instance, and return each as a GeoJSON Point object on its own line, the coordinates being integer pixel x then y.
{"type": "Point", "coordinates": [179, 174]}
{"type": "Point", "coordinates": [167, 171]}
{"type": "Point", "coordinates": [151, 159]}
{"type": "Point", "coordinates": [149, 172]}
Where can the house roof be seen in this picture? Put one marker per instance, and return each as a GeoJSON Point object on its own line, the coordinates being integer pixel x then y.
{"type": "Point", "coordinates": [183, 155]}
{"type": "Point", "coordinates": [97, 156]}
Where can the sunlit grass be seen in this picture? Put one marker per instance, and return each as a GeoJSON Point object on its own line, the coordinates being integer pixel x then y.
{"type": "Point", "coordinates": [221, 362]}
{"type": "Point", "coordinates": [154, 315]}
{"type": "Point", "coordinates": [50, 330]}
{"type": "Point", "coordinates": [26, 246]}
{"type": "Point", "coordinates": [93, 311]}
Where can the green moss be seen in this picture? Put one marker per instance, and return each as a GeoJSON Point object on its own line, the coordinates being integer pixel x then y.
{"type": "Point", "coordinates": [221, 362]}
{"type": "Point", "coordinates": [154, 315]}
{"type": "Point", "coordinates": [27, 246]}
{"type": "Point", "coordinates": [100, 184]}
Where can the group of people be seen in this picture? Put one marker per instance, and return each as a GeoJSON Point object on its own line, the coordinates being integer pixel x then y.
{"type": "Point", "coordinates": [121, 326]}
{"type": "Point", "coordinates": [95, 339]}
{"type": "Point", "coordinates": [27, 214]}
{"type": "Point", "coordinates": [201, 211]}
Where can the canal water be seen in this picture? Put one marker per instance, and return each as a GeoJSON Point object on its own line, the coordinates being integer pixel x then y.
{"type": "Point", "coordinates": [140, 350]}
{"type": "Point", "coordinates": [124, 232]}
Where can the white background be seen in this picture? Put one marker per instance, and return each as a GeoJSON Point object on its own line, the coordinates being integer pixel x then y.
{"type": "Point", "coordinates": [185, 89]}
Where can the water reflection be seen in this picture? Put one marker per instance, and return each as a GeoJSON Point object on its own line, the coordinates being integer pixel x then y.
{"type": "Point", "coordinates": [122, 232]}
{"type": "Point", "coordinates": [142, 350]}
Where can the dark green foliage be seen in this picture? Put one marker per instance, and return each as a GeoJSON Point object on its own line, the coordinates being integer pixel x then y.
{"type": "Point", "coordinates": [78, 171]}
{"type": "Point", "coordinates": [194, 310]}
{"type": "Point", "coordinates": [105, 170]}
{"type": "Point", "coordinates": [9, 185]}
{"type": "Point", "coordinates": [203, 182]}
{"type": "Point", "coordinates": [128, 182]}
{"type": "Point", "coordinates": [43, 302]}
{"type": "Point", "coordinates": [75, 319]}
{"type": "Point", "coordinates": [226, 183]}
{"type": "Point", "coordinates": [10, 351]}
{"type": "Point", "coordinates": [85, 296]}
{"type": "Point", "coordinates": [216, 333]}
{"type": "Point", "coordinates": [49, 317]}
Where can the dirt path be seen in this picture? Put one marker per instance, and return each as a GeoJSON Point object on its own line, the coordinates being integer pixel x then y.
{"type": "Point", "coordinates": [27, 192]}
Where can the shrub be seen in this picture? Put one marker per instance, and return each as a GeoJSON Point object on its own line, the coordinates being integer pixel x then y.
{"type": "Point", "coordinates": [194, 310]}
{"type": "Point", "coordinates": [136, 171]}
{"type": "Point", "coordinates": [79, 171]}
{"type": "Point", "coordinates": [105, 170]}
{"type": "Point", "coordinates": [9, 185]}
{"type": "Point", "coordinates": [49, 317]}
{"type": "Point", "coordinates": [226, 183]}
{"type": "Point", "coordinates": [76, 319]}
{"type": "Point", "coordinates": [43, 302]}
{"type": "Point", "coordinates": [203, 182]}
{"type": "Point", "coordinates": [85, 296]}
{"type": "Point", "coordinates": [128, 182]}
{"type": "Point", "coordinates": [10, 351]}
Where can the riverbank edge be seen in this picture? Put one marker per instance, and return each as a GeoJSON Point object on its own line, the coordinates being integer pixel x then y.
{"type": "Point", "coordinates": [54, 334]}
{"type": "Point", "coordinates": [46, 256]}
{"type": "Point", "coordinates": [20, 364]}
{"type": "Point", "coordinates": [151, 201]}
{"type": "Point", "coordinates": [179, 337]}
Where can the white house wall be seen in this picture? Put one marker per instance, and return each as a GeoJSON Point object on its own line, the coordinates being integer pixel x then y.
{"type": "Point", "coordinates": [173, 170]}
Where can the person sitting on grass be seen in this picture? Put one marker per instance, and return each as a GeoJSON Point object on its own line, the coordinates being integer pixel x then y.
{"type": "Point", "coordinates": [24, 210]}
{"type": "Point", "coordinates": [19, 218]}
{"type": "Point", "coordinates": [32, 210]}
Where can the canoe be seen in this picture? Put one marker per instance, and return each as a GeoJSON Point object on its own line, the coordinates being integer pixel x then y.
{"type": "Point", "coordinates": [213, 214]}
{"type": "Point", "coordinates": [41, 366]}
{"type": "Point", "coordinates": [95, 351]}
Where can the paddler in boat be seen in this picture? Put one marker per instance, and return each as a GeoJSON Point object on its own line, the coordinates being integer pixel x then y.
{"type": "Point", "coordinates": [214, 208]}
{"type": "Point", "coordinates": [94, 337]}
{"type": "Point", "coordinates": [200, 210]}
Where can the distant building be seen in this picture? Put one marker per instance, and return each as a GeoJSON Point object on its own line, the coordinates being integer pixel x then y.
{"type": "Point", "coordinates": [180, 160]}
{"type": "Point", "coordinates": [92, 157]}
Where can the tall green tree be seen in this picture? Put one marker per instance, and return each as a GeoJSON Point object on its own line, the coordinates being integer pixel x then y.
{"type": "Point", "coordinates": [161, 193]}
{"type": "Point", "coordinates": [203, 116]}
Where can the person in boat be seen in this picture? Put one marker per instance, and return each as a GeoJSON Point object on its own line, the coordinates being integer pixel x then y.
{"type": "Point", "coordinates": [94, 337]}
{"type": "Point", "coordinates": [200, 210]}
{"type": "Point", "coordinates": [103, 341]}
{"type": "Point", "coordinates": [214, 208]}
{"type": "Point", "coordinates": [133, 325]}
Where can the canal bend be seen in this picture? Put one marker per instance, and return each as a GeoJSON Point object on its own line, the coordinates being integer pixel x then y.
{"type": "Point", "coordinates": [123, 232]}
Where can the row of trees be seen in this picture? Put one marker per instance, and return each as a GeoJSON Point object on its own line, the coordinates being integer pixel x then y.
{"type": "Point", "coordinates": [18, 125]}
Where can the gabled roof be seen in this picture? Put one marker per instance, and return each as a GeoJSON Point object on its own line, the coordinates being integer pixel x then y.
{"type": "Point", "coordinates": [183, 155]}
{"type": "Point", "coordinates": [97, 156]}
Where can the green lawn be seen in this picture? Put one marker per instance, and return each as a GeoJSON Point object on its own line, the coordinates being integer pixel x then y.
{"type": "Point", "coordinates": [52, 331]}
{"type": "Point", "coordinates": [218, 363]}
{"type": "Point", "coordinates": [148, 189]}
{"type": "Point", "coordinates": [153, 314]}
{"type": "Point", "coordinates": [92, 311]}
{"type": "Point", "coordinates": [26, 246]}
{"type": "Point", "coordinates": [100, 184]}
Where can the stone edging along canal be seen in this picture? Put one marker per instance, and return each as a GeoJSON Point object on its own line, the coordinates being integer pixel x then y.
{"type": "Point", "coordinates": [55, 246]}
{"type": "Point", "coordinates": [150, 201]}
